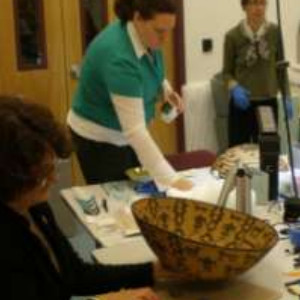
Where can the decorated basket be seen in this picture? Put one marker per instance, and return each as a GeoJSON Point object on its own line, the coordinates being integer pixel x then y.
{"type": "Point", "coordinates": [203, 240]}
{"type": "Point", "coordinates": [247, 154]}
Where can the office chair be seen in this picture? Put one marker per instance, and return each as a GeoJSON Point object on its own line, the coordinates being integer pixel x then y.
{"type": "Point", "coordinates": [192, 159]}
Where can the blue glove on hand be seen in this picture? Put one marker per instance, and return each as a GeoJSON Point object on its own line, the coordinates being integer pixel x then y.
{"type": "Point", "coordinates": [289, 108]}
{"type": "Point", "coordinates": [240, 97]}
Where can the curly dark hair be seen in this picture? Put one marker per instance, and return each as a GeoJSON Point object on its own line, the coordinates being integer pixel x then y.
{"type": "Point", "coordinates": [28, 131]}
{"type": "Point", "coordinates": [125, 9]}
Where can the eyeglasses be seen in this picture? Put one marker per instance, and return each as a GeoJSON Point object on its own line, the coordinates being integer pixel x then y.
{"type": "Point", "coordinates": [49, 173]}
{"type": "Point", "coordinates": [46, 174]}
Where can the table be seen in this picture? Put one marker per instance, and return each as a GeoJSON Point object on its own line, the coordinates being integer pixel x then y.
{"type": "Point", "coordinates": [103, 228]}
{"type": "Point", "coordinates": [120, 195]}
{"type": "Point", "coordinates": [264, 282]}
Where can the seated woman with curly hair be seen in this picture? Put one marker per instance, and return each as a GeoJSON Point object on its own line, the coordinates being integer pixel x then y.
{"type": "Point", "coordinates": [36, 260]}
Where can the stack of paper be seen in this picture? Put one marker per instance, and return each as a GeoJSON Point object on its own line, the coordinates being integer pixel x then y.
{"type": "Point", "coordinates": [133, 251]}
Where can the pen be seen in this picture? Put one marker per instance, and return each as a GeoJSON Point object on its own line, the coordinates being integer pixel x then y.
{"type": "Point", "coordinates": [292, 282]}
{"type": "Point", "coordinates": [104, 205]}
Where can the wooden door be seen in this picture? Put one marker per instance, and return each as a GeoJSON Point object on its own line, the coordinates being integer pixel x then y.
{"type": "Point", "coordinates": [49, 74]}
{"type": "Point", "coordinates": [41, 44]}
{"type": "Point", "coordinates": [37, 74]}
{"type": "Point", "coordinates": [82, 20]}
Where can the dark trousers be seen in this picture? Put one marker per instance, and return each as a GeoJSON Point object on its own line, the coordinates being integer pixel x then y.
{"type": "Point", "coordinates": [103, 162]}
{"type": "Point", "coordinates": [243, 124]}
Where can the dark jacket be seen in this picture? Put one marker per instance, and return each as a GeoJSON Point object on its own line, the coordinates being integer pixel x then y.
{"type": "Point", "coordinates": [28, 273]}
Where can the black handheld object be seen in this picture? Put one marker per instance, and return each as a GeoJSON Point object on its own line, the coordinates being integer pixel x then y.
{"type": "Point", "coordinates": [269, 147]}
{"type": "Point", "coordinates": [291, 210]}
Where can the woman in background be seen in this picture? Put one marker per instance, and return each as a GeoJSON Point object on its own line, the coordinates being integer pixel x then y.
{"type": "Point", "coordinates": [36, 260]}
{"type": "Point", "coordinates": [251, 53]}
{"type": "Point", "coordinates": [121, 78]}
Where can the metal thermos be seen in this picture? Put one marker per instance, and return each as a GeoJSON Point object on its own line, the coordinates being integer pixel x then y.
{"type": "Point", "coordinates": [243, 191]}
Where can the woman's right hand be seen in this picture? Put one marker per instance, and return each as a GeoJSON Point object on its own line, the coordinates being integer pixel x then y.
{"type": "Point", "coordinates": [182, 184]}
{"type": "Point", "coordinates": [162, 274]}
{"type": "Point", "coordinates": [143, 294]}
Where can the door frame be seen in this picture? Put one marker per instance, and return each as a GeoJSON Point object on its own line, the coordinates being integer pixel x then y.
{"type": "Point", "coordinates": [104, 17]}
{"type": "Point", "coordinates": [180, 73]}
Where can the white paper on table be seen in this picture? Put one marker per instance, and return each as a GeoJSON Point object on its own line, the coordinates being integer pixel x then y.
{"type": "Point", "coordinates": [125, 220]}
{"type": "Point", "coordinates": [286, 184]}
{"type": "Point", "coordinates": [130, 252]}
{"type": "Point", "coordinates": [209, 192]}
{"type": "Point", "coordinates": [101, 220]}
{"type": "Point", "coordinates": [206, 187]}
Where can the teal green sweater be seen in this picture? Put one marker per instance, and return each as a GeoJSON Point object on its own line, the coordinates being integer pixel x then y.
{"type": "Point", "coordinates": [111, 66]}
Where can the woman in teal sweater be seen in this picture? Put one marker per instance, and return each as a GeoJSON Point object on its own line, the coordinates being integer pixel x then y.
{"type": "Point", "coordinates": [121, 79]}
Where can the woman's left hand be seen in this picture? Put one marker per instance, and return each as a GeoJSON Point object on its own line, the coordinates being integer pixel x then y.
{"type": "Point", "coordinates": [175, 100]}
{"type": "Point", "coordinates": [183, 184]}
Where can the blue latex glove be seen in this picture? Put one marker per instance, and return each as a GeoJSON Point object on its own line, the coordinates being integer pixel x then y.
{"type": "Point", "coordinates": [240, 97]}
{"type": "Point", "coordinates": [289, 108]}
{"type": "Point", "coordinates": [148, 188]}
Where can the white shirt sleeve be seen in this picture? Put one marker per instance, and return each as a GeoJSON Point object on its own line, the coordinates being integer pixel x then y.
{"type": "Point", "coordinates": [130, 112]}
{"type": "Point", "coordinates": [167, 88]}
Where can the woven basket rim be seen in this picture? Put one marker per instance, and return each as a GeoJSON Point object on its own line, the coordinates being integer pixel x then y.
{"type": "Point", "coordinates": [258, 250]}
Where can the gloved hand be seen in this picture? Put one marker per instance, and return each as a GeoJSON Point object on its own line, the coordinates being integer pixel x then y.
{"type": "Point", "coordinates": [240, 97]}
{"type": "Point", "coordinates": [289, 108]}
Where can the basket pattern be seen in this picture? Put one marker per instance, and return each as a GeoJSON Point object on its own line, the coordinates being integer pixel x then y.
{"type": "Point", "coordinates": [247, 154]}
{"type": "Point", "coordinates": [203, 240]}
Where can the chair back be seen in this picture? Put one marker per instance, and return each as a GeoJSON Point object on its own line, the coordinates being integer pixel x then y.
{"type": "Point", "coordinates": [192, 159]}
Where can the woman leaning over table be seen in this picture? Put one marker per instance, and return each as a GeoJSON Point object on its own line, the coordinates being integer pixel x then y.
{"type": "Point", "coordinates": [121, 78]}
{"type": "Point", "coordinates": [36, 260]}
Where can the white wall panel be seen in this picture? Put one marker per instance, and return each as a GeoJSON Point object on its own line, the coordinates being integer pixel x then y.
{"type": "Point", "coordinates": [213, 18]}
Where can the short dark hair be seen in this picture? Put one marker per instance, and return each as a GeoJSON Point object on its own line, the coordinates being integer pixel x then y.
{"type": "Point", "coordinates": [27, 132]}
{"type": "Point", "coordinates": [244, 2]}
{"type": "Point", "coordinates": [125, 9]}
